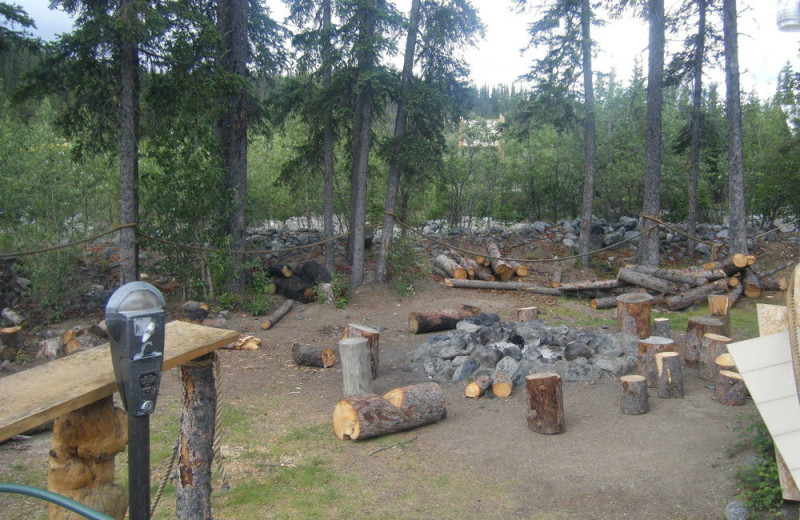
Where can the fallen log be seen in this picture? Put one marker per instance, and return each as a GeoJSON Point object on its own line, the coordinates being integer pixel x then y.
{"type": "Point", "coordinates": [276, 316]}
{"type": "Point", "coordinates": [294, 288]}
{"type": "Point", "coordinates": [647, 281]}
{"type": "Point", "coordinates": [692, 296]}
{"type": "Point", "coordinates": [752, 284]}
{"type": "Point", "coordinates": [520, 269]}
{"type": "Point", "coordinates": [731, 265]}
{"type": "Point", "coordinates": [502, 384]}
{"type": "Point", "coordinates": [365, 416]}
{"type": "Point", "coordinates": [591, 285]}
{"type": "Point", "coordinates": [500, 267]}
{"type": "Point", "coordinates": [774, 283]}
{"type": "Point", "coordinates": [521, 286]}
{"type": "Point", "coordinates": [280, 271]}
{"type": "Point", "coordinates": [774, 270]}
{"type": "Point", "coordinates": [449, 265]}
{"type": "Point", "coordinates": [49, 348]}
{"type": "Point", "coordinates": [483, 273]}
{"type": "Point", "coordinates": [672, 275]}
{"type": "Point", "coordinates": [313, 273]}
{"type": "Point", "coordinates": [311, 356]}
{"type": "Point", "coordinates": [604, 303]}
{"type": "Point", "coordinates": [373, 337]}
{"type": "Point", "coordinates": [478, 387]}
{"type": "Point", "coordinates": [467, 264]}
{"type": "Point", "coordinates": [432, 321]}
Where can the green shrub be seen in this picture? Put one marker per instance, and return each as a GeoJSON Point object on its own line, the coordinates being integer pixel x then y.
{"type": "Point", "coordinates": [407, 265]}
{"type": "Point", "coordinates": [759, 484]}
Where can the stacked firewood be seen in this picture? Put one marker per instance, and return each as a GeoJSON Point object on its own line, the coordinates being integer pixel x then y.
{"type": "Point", "coordinates": [298, 284]}
{"type": "Point", "coordinates": [488, 268]}
{"type": "Point", "coordinates": [676, 289]}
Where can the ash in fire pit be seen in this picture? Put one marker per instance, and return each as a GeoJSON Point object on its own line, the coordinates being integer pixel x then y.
{"type": "Point", "coordinates": [484, 344]}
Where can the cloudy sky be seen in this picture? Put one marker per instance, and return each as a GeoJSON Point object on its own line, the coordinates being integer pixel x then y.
{"type": "Point", "coordinates": [499, 59]}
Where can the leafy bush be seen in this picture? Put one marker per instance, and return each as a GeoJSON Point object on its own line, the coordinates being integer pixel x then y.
{"type": "Point", "coordinates": [759, 484]}
{"type": "Point", "coordinates": [406, 266]}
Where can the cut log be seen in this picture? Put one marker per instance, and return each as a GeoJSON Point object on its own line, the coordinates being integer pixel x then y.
{"type": "Point", "coordinates": [719, 306]}
{"type": "Point", "coordinates": [311, 356]}
{"type": "Point", "coordinates": [373, 337]}
{"type": "Point", "coordinates": [633, 314]}
{"type": "Point", "coordinates": [483, 273]}
{"type": "Point", "coordinates": [696, 328]}
{"type": "Point", "coordinates": [313, 273]}
{"type": "Point", "coordinates": [591, 285]}
{"type": "Point", "coordinates": [527, 313]}
{"type": "Point", "coordinates": [669, 370]}
{"type": "Point", "coordinates": [49, 348]}
{"type": "Point", "coordinates": [426, 399]}
{"type": "Point", "coordinates": [661, 328]}
{"type": "Point", "coordinates": [774, 283]}
{"type": "Point", "coordinates": [16, 319]}
{"type": "Point", "coordinates": [501, 286]}
{"type": "Point", "coordinates": [692, 296]}
{"type": "Point", "coordinates": [520, 269]}
{"type": "Point", "coordinates": [545, 403]}
{"type": "Point", "coordinates": [195, 311]}
{"type": "Point", "coordinates": [729, 266]}
{"type": "Point", "coordinates": [501, 268]}
{"type": "Point", "coordinates": [634, 399]}
{"type": "Point", "coordinates": [81, 459]}
{"type": "Point", "coordinates": [725, 362]}
{"type": "Point", "coordinates": [10, 342]}
{"type": "Point", "coordinates": [432, 321]}
{"type": "Point", "coordinates": [356, 372]}
{"type": "Point", "coordinates": [645, 359]}
{"type": "Point", "coordinates": [478, 387]}
{"type": "Point", "coordinates": [672, 275]}
{"type": "Point", "coordinates": [713, 346]}
{"type": "Point", "coordinates": [365, 416]}
{"type": "Point", "coordinates": [735, 294]}
{"type": "Point", "coordinates": [502, 384]}
{"type": "Point", "coordinates": [648, 282]}
{"type": "Point", "coordinates": [469, 265]}
{"type": "Point", "coordinates": [294, 288]}
{"type": "Point", "coordinates": [279, 271]}
{"type": "Point", "coordinates": [735, 280]}
{"type": "Point", "coordinates": [752, 284]}
{"type": "Point", "coordinates": [730, 388]}
{"type": "Point", "coordinates": [603, 303]}
{"type": "Point", "coordinates": [276, 315]}
{"type": "Point", "coordinates": [556, 279]}
{"type": "Point", "coordinates": [448, 265]}
{"type": "Point", "coordinates": [71, 346]}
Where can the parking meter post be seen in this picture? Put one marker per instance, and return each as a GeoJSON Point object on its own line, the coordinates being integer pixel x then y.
{"type": "Point", "coordinates": [139, 467]}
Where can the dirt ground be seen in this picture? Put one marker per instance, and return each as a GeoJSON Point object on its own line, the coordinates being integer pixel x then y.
{"type": "Point", "coordinates": [482, 461]}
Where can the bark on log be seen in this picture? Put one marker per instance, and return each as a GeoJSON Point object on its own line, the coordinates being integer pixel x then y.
{"type": "Point", "coordinates": [500, 267]}
{"type": "Point", "coordinates": [669, 369]}
{"type": "Point", "coordinates": [16, 319]}
{"type": "Point", "coordinates": [661, 328]}
{"type": "Point", "coordinates": [195, 311]}
{"type": "Point", "coordinates": [366, 416]}
{"type": "Point", "coordinates": [432, 321]}
{"type": "Point", "coordinates": [556, 279]}
{"type": "Point", "coordinates": [648, 282]}
{"type": "Point", "coordinates": [373, 337]}
{"type": "Point", "coordinates": [195, 449]}
{"type": "Point", "coordinates": [276, 315]}
{"type": "Point", "coordinates": [502, 384]}
{"type": "Point", "coordinates": [294, 288]}
{"type": "Point", "coordinates": [735, 294]}
{"type": "Point", "coordinates": [501, 286]}
{"type": "Point", "coordinates": [713, 346]}
{"type": "Point", "coordinates": [527, 313]}
{"type": "Point", "coordinates": [604, 303]}
{"type": "Point", "coordinates": [478, 387]}
{"type": "Point", "coordinates": [279, 271]}
{"type": "Point", "coordinates": [633, 314]}
{"type": "Point", "coordinates": [634, 399]}
{"type": "Point", "coordinates": [356, 372]}
{"type": "Point", "coordinates": [467, 264]}
{"type": "Point", "coordinates": [774, 283]}
{"type": "Point", "coordinates": [591, 285]}
{"type": "Point", "coordinates": [719, 306]}
{"type": "Point", "coordinates": [483, 273]}
{"type": "Point", "coordinates": [9, 343]}
{"type": "Point", "coordinates": [692, 296]}
{"type": "Point", "coordinates": [449, 265]}
{"type": "Point", "coordinates": [81, 459]}
{"type": "Point", "coordinates": [313, 273]}
{"type": "Point", "coordinates": [311, 356]}
{"type": "Point", "coordinates": [545, 403]}
{"type": "Point", "coordinates": [645, 359]}
{"type": "Point", "coordinates": [696, 328]}
{"type": "Point", "coordinates": [730, 388]}
{"type": "Point", "coordinates": [426, 399]}
{"type": "Point", "coordinates": [672, 275]}
{"type": "Point", "coordinates": [752, 284]}
{"type": "Point", "coordinates": [729, 266]}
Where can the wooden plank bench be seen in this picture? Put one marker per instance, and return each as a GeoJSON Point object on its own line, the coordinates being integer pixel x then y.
{"type": "Point", "coordinates": [77, 389]}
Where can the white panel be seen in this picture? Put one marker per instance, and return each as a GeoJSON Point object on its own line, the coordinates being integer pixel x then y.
{"type": "Point", "coordinates": [775, 416]}
{"type": "Point", "coordinates": [768, 384]}
{"type": "Point", "coordinates": [761, 352]}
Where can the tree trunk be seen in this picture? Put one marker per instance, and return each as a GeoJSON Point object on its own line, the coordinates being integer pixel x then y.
{"type": "Point", "coordinates": [356, 372]}
{"type": "Point", "coordinates": [737, 238]}
{"type": "Point", "coordinates": [633, 314]}
{"type": "Point", "coordinates": [694, 131]}
{"type": "Point", "coordinates": [589, 146]}
{"type": "Point", "coordinates": [648, 253]}
{"type": "Point", "coordinates": [310, 356]}
{"type": "Point", "coordinates": [634, 399]}
{"type": "Point", "coordinates": [433, 321]}
{"type": "Point", "coordinates": [128, 144]}
{"type": "Point", "coordinates": [545, 403]}
{"type": "Point", "coordinates": [381, 269]}
{"type": "Point", "coordinates": [195, 451]}
{"type": "Point", "coordinates": [232, 20]}
{"type": "Point", "coordinates": [327, 138]}
{"type": "Point", "coordinates": [669, 372]}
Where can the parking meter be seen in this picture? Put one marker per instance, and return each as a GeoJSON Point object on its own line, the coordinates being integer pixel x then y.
{"type": "Point", "coordinates": [135, 322]}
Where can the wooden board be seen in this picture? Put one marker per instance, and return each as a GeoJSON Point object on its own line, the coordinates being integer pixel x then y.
{"type": "Point", "coordinates": [32, 397]}
{"type": "Point", "coordinates": [766, 365]}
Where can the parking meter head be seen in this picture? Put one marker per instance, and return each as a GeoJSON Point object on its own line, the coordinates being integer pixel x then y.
{"type": "Point", "coordinates": [135, 321]}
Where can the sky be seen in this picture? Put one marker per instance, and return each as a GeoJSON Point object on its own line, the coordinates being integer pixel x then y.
{"type": "Point", "coordinates": [498, 59]}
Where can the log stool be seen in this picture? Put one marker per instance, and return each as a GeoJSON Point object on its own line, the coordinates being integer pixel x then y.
{"type": "Point", "coordinates": [696, 328]}
{"type": "Point", "coordinates": [713, 346]}
{"type": "Point", "coordinates": [356, 371]}
{"type": "Point", "coordinates": [669, 374]}
{"type": "Point", "coordinates": [719, 306]}
{"type": "Point", "coordinates": [634, 397]}
{"type": "Point", "coordinates": [645, 359]}
{"type": "Point", "coordinates": [545, 403]}
{"type": "Point", "coordinates": [730, 388]}
{"type": "Point", "coordinates": [373, 339]}
{"type": "Point", "coordinates": [661, 328]}
{"type": "Point", "coordinates": [633, 314]}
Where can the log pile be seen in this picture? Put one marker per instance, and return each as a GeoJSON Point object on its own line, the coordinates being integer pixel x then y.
{"type": "Point", "coordinates": [675, 289]}
{"type": "Point", "coordinates": [489, 268]}
{"type": "Point", "coordinates": [298, 283]}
